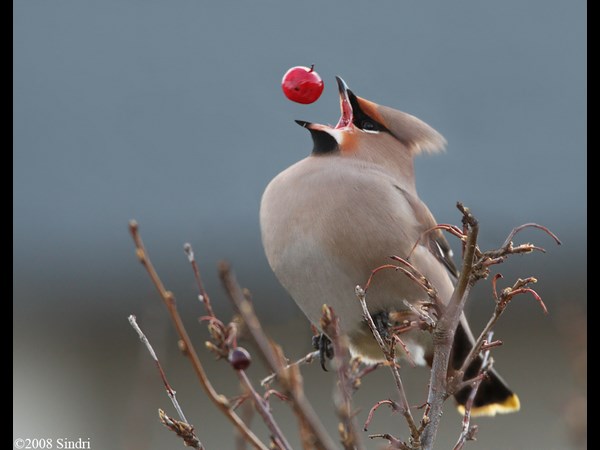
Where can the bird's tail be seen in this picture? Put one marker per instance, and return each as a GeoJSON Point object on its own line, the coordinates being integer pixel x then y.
{"type": "Point", "coordinates": [493, 395]}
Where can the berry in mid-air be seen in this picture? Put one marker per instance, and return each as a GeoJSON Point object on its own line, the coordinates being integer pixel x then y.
{"type": "Point", "coordinates": [302, 84]}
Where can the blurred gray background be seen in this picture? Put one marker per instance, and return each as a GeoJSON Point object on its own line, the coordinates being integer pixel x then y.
{"type": "Point", "coordinates": [172, 113]}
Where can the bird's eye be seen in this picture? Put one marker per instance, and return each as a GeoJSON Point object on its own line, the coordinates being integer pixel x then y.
{"type": "Point", "coordinates": [367, 125]}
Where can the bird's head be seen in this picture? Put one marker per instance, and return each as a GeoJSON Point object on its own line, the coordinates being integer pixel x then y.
{"type": "Point", "coordinates": [373, 132]}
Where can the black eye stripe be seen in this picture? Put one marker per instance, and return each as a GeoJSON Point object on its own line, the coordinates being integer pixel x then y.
{"type": "Point", "coordinates": [362, 120]}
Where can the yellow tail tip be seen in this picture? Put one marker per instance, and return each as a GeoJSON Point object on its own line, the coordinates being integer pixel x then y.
{"type": "Point", "coordinates": [509, 405]}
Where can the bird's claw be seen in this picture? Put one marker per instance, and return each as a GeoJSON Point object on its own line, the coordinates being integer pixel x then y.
{"type": "Point", "coordinates": [382, 323]}
{"type": "Point", "coordinates": [323, 344]}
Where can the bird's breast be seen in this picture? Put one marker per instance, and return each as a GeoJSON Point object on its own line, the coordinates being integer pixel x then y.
{"type": "Point", "coordinates": [326, 226]}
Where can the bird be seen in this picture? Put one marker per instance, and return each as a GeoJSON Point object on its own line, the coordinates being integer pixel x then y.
{"type": "Point", "coordinates": [329, 219]}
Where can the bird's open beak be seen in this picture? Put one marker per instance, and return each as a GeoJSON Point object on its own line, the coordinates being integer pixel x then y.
{"type": "Point", "coordinates": [345, 106]}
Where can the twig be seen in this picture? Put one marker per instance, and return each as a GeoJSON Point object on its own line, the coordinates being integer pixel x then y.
{"type": "Point", "coordinates": [414, 274]}
{"type": "Point", "coordinates": [394, 442]}
{"type": "Point", "coordinates": [491, 257]}
{"type": "Point", "coordinates": [263, 410]}
{"type": "Point", "coordinates": [376, 271]}
{"type": "Point", "coordinates": [487, 345]}
{"type": "Point", "coordinates": [530, 225]}
{"type": "Point", "coordinates": [452, 229]}
{"type": "Point", "coordinates": [343, 396]}
{"type": "Point", "coordinates": [169, 299]}
{"type": "Point", "coordinates": [182, 429]}
{"type": "Point", "coordinates": [308, 418]}
{"type": "Point", "coordinates": [409, 357]}
{"type": "Point", "coordinates": [203, 295]}
{"type": "Point", "coordinates": [246, 412]}
{"type": "Point", "coordinates": [411, 273]}
{"type": "Point", "coordinates": [375, 407]}
{"type": "Point", "coordinates": [306, 359]}
{"type": "Point", "coordinates": [502, 301]}
{"type": "Point", "coordinates": [404, 405]}
{"type": "Point", "coordinates": [421, 314]}
{"type": "Point", "coordinates": [359, 374]}
{"type": "Point", "coordinates": [277, 394]}
{"type": "Point", "coordinates": [168, 388]}
{"type": "Point", "coordinates": [467, 431]}
{"type": "Point", "coordinates": [240, 400]}
{"type": "Point", "coordinates": [443, 334]}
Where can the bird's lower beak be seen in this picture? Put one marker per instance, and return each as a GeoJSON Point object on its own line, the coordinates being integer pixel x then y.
{"type": "Point", "coordinates": [345, 106]}
{"type": "Point", "coordinates": [314, 126]}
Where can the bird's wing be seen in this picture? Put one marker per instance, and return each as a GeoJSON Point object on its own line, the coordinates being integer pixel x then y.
{"type": "Point", "coordinates": [438, 245]}
{"type": "Point", "coordinates": [433, 240]}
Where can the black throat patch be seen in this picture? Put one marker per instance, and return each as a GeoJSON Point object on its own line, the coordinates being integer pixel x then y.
{"type": "Point", "coordinates": [323, 142]}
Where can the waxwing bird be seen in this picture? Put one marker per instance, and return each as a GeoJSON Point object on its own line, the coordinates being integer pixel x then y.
{"type": "Point", "coordinates": [330, 219]}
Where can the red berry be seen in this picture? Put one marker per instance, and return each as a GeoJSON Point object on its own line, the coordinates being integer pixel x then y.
{"type": "Point", "coordinates": [239, 358]}
{"type": "Point", "coordinates": [302, 84]}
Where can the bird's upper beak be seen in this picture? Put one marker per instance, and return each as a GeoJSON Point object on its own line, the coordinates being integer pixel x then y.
{"type": "Point", "coordinates": [346, 116]}
{"type": "Point", "coordinates": [345, 105]}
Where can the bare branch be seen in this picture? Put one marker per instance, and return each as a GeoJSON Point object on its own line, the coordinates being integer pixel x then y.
{"type": "Point", "coordinates": [404, 405]}
{"type": "Point", "coordinates": [168, 298]}
{"type": "Point", "coordinates": [487, 345]}
{"type": "Point", "coordinates": [169, 389]}
{"type": "Point", "coordinates": [182, 429]}
{"type": "Point", "coordinates": [236, 402]}
{"type": "Point", "coordinates": [443, 334]}
{"type": "Point", "coordinates": [247, 413]}
{"type": "Point", "coordinates": [467, 431]}
{"type": "Point", "coordinates": [420, 279]}
{"type": "Point", "coordinates": [502, 301]}
{"type": "Point", "coordinates": [275, 393]}
{"type": "Point", "coordinates": [432, 314]}
{"type": "Point", "coordinates": [203, 295]}
{"type": "Point", "coordinates": [377, 270]}
{"type": "Point", "coordinates": [306, 359]}
{"type": "Point", "coordinates": [452, 229]}
{"type": "Point", "coordinates": [345, 384]}
{"type": "Point", "coordinates": [394, 442]}
{"type": "Point", "coordinates": [421, 314]}
{"type": "Point", "coordinates": [530, 225]}
{"type": "Point", "coordinates": [409, 357]}
{"type": "Point", "coordinates": [288, 378]}
{"type": "Point", "coordinates": [263, 410]}
{"type": "Point", "coordinates": [375, 407]}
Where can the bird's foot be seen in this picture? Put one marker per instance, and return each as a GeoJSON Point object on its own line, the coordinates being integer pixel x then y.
{"type": "Point", "coordinates": [323, 344]}
{"type": "Point", "coordinates": [382, 323]}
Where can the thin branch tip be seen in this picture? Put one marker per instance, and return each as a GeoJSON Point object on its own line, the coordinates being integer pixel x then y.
{"type": "Point", "coordinates": [468, 217]}
{"type": "Point", "coordinates": [531, 225]}
{"type": "Point", "coordinates": [224, 267]}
